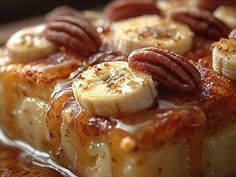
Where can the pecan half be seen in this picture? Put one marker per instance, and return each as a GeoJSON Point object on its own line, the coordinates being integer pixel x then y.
{"type": "Point", "coordinates": [106, 56]}
{"type": "Point", "coordinates": [232, 34]}
{"type": "Point", "coordinates": [74, 33]}
{"type": "Point", "coordinates": [213, 4]}
{"type": "Point", "coordinates": [123, 9]}
{"type": "Point", "coordinates": [201, 22]}
{"type": "Point", "coordinates": [167, 68]}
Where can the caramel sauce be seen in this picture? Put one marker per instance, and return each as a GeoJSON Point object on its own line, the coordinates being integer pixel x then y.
{"type": "Point", "coordinates": [65, 86]}
{"type": "Point", "coordinates": [20, 159]}
{"type": "Point", "coordinates": [51, 67]}
{"type": "Point", "coordinates": [57, 61]}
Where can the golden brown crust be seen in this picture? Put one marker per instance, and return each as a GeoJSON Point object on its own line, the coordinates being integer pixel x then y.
{"type": "Point", "coordinates": [56, 66]}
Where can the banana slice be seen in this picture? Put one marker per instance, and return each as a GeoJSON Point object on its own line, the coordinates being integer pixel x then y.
{"type": "Point", "coordinates": [224, 58]}
{"type": "Point", "coordinates": [113, 88]}
{"type": "Point", "coordinates": [170, 5]}
{"type": "Point", "coordinates": [28, 44]}
{"type": "Point", "coordinates": [151, 31]}
{"type": "Point", "coordinates": [226, 14]}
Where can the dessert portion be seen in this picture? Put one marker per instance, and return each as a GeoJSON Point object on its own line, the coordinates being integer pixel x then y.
{"type": "Point", "coordinates": [130, 91]}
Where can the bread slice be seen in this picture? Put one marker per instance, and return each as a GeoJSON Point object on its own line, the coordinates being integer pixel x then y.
{"type": "Point", "coordinates": [25, 95]}
{"type": "Point", "coordinates": [187, 136]}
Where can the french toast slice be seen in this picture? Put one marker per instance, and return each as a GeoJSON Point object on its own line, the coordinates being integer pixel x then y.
{"type": "Point", "coordinates": [186, 136]}
{"type": "Point", "coordinates": [26, 92]}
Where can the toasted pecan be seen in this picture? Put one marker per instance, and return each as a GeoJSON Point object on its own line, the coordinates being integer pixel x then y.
{"type": "Point", "coordinates": [123, 9]}
{"type": "Point", "coordinates": [201, 22]}
{"type": "Point", "coordinates": [169, 69]}
{"type": "Point", "coordinates": [74, 33]}
{"type": "Point", "coordinates": [213, 4]}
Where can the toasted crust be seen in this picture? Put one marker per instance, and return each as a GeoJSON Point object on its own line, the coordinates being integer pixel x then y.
{"type": "Point", "coordinates": [39, 75]}
{"type": "Point", "coordinates": [34, 80]}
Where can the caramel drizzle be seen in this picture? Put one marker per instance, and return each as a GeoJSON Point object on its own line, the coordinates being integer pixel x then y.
{"type": "Point", "coordinates": [65, 86]}
{"type": "Point", "coordinates": [62, 92]}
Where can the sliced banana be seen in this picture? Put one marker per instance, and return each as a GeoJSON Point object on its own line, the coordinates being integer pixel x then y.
{"type": "Point", "coordinates": [226, 14]}
{"type": "Point", "coordinates": [170, 5]}
{"type": "Point", "coordinates": [113, 88]}
{"type": "Point", "coordinates": [28, 44]}
{"type": "Point", "coordinates": [151, 31]}
{"type": "Point", "coordinates": [224, 58]}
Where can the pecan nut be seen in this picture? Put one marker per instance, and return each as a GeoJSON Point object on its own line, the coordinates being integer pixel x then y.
{"type": "Point", "coordinates": [201, 22]}
{"type": "Point", "coordinates": [123, 9]}
{"type": "Point", "coordinates": [74, 33]}
{"type": "Point", "coordinates": [232, 34]}
{"type": "Point", "coordinates": [213, 4]}
{"type": "Point", "coordinates": [167, 68]}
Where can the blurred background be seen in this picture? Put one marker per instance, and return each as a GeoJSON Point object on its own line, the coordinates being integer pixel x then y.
{"type": "Point", "coordinates": [12, 10]}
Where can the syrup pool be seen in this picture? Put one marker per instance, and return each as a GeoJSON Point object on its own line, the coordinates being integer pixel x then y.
{"type": "Point", "coordinates": [20, 159]}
